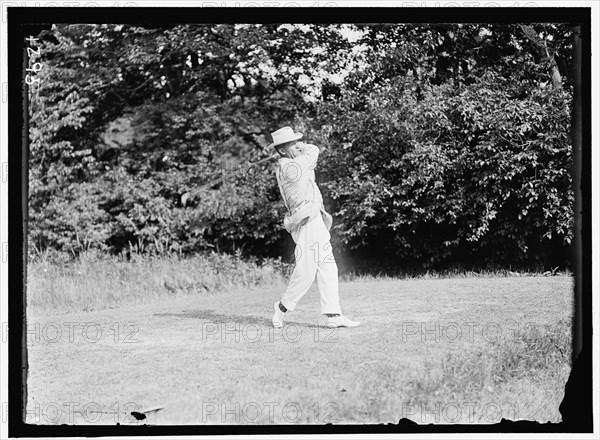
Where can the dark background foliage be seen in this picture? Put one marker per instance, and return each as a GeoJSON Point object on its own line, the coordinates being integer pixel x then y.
{"type": "Point", "coordinates": [442, 145]}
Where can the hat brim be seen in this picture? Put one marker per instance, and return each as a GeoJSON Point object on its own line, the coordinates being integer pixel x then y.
{"type": "Point", "coordinates": [293, 138]}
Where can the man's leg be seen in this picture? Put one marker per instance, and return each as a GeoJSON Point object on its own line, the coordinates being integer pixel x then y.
{"type": "Point", "coordinates": [305, 270]}
{"type": "Point", "coordinates": [327, 279]}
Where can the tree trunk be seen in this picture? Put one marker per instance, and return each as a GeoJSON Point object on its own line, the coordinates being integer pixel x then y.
{"type": "Point", "coordinates": [543, 51]}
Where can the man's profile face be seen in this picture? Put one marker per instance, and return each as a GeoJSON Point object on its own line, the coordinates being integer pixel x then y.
{"type": "Point", "coordinates": [292, 150]}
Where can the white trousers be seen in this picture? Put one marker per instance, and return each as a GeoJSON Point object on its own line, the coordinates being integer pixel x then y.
{"type": "Point", "coordinates": [314, 257]}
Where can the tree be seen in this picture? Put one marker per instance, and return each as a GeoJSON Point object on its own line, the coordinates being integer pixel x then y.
{"type": "Point", "coordinates": [450, 146]}
{"type": "Point", "coordinates": [441, 142]}
{"type": "Point", "coordinates": [139, 119]}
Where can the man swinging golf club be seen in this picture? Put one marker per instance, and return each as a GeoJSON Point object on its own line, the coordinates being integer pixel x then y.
{"type": "Point", "coordinates": [309, 224]}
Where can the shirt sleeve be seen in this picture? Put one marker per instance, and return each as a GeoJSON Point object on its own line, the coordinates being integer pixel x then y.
{"type": "Point", "coordinates": [312, 151]}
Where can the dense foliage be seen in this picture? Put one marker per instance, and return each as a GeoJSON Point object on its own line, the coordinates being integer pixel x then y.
{"type": "Point", "coordinates": [440, 143]}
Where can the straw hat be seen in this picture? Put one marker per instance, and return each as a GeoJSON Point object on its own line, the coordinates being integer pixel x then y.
{"type": "Point", "coordinates": [283, 135]}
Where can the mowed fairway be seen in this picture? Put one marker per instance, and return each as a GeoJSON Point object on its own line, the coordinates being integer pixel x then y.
{"type": "Point", "coordinates": [457, 350]}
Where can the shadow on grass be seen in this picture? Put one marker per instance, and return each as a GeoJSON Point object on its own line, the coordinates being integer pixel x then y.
{"type": "Point", "coordinates": [219, 318]}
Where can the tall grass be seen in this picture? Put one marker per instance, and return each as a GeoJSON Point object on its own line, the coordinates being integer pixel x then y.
{"type": "Point", "coordinates": [516, 377]}
{"type": "Point", "coordinates": [539, 361]}
{"type": "Point", "coordinates": [63, 283]}
{"type": "Point", "coordinates": [402, 273]}
{"type": "Point", "coordinates": [95, 281]}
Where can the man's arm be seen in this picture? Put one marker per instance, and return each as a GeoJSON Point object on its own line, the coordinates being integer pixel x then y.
{"type": "Point", "coordinates": [298, 168]}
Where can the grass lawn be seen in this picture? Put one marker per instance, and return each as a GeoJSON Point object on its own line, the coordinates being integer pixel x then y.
{"type": "Point", "coordinates": [457, 350]}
